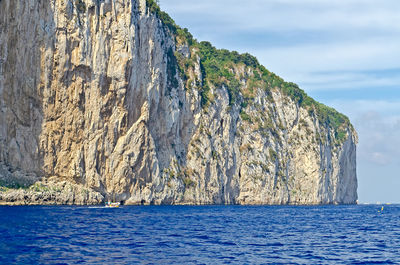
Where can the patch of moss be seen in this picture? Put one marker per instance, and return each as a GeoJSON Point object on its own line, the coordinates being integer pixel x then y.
{"type": "Point", "coordinates": [341, 135]}
{"type": "Point", "coordinates": [272, 154]}
{"type": "Point", "coordinates": [245, 116]}
{"type": "Point", "coordinates": [80, 6]}
{"type": "Point", "coordinates": [38, 187]}
{"type": "Point", "coordinates": [154, 8]}
{"type": "Point", "coordinates": [172, 81]}
{"type": "Point", "coordinates": [189, 182]}
{"type": "Point", "coordinates": [205, 95]}
{"type": "Point", "coordinates": [13, 184]}
{"type": "Point", "coordinates": [325, 115]}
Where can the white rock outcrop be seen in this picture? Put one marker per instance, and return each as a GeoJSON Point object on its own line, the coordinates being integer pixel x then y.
{"type": "Point", "coordinates": [92, 107]}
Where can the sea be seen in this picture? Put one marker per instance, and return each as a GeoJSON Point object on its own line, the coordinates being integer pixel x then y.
{"type": "Point", "coordinates": [354, 234]}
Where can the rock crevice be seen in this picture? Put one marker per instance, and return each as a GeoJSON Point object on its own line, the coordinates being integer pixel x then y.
{"type": "Point", "coordinates": [110, 100]}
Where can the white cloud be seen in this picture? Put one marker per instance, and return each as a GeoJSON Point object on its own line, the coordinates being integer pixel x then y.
{"type": "Point", "coordinates": [295, 39]}
{"type": "Point", "coordinates": [354, 56]}
{"type": "Point", "coordinates": [345, 81]}
{"type": "Point", "coordinates": [289, 15]}
{"type": "Point", "coordinates": [369, 109]}
{"type": "Point", "coordinates": [380, 158]}
{"type": "Point", "coordinates": [378, 125]}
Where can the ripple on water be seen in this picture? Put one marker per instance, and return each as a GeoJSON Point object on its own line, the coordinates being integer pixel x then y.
{"type": "Point", "coordinates": [200, 235]}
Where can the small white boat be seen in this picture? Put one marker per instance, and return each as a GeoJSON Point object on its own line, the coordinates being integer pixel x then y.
{"type": "Point", "coordinates": [112, 204]}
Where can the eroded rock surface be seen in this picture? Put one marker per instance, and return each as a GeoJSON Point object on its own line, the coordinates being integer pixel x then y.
{"type": "Point", "coordinates": [105, 100]}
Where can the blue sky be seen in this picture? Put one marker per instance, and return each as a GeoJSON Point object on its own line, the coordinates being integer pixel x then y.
{"type": "Point", "coordinates": [345, 54]}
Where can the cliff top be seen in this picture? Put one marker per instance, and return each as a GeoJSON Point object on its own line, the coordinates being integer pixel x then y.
{"type": "Point", "coordinates": [218, 69]}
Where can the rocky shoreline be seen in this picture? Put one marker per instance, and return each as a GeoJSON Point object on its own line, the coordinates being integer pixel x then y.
{"type": "Point", "coordinates": [45, 193]}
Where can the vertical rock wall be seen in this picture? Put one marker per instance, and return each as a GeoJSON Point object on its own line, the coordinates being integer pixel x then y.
{"type": "Point", "coordinates": [90, 96]}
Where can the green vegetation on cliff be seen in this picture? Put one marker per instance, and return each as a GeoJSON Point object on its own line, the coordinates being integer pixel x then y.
{"type": "Point", "coordinates": [220, 69]}
{"type": "Point", "coordinates": [80, 5]}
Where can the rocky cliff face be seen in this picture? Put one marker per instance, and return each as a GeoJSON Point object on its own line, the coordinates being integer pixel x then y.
{"type": "Point", "coordinates": [104, 99]}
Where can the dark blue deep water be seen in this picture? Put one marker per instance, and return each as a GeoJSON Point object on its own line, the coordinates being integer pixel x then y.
{"type": "Point", "coordinates": [200, 235]}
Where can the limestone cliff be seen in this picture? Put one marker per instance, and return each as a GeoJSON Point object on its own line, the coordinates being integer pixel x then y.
{"type": "Point", "coordinates": [109, 99]}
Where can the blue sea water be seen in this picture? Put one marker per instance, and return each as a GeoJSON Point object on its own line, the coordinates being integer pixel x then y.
{"type": "Point", "coordinates": [356, 234]}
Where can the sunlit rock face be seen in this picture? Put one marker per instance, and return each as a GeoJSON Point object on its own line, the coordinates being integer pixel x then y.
{"type": "Point", "coordinates": [109, 100]}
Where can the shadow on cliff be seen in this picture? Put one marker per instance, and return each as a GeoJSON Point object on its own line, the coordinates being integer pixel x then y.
{"type": "Point", "coordinates": [161, 104]}
{"type": "Point", "coordinates": [25, 28]}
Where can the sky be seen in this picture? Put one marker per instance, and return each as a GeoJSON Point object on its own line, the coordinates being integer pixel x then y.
{"type": "Point", "coordinates": [345, 54]}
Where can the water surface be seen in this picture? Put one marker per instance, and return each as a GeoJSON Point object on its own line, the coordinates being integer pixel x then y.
{"type": "Point", "coordinates": [200, 235]}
